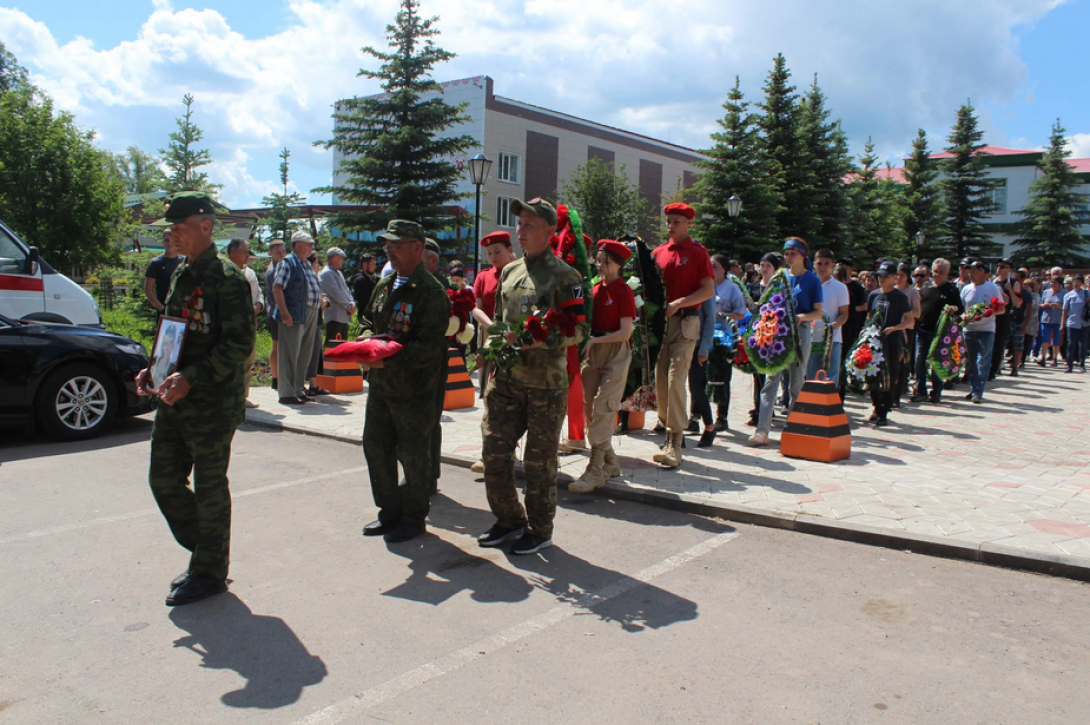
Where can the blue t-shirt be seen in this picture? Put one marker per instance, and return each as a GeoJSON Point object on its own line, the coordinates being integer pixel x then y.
{"type": "Point", "coordinates": [1074, 302]}
{"type": "Point", "coordinates": [1052, 315]}
{"type": "Point", "coordinates": [806, 289]}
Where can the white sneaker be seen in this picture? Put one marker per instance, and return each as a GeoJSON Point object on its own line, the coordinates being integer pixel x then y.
{"type": "Point", "coordinates": [760, 438]}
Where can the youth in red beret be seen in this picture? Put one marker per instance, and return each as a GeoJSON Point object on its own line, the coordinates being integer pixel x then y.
{"type": "Point", "coordinates": [621, 250]}
{"type": "Point", "coordinates": [679, 208]}
{"type": "Point", "coordinates": [496, 238]}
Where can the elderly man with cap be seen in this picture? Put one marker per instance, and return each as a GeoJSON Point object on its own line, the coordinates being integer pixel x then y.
{"type": "Point", "coordinates": [686, 271]}
{"type": "Point", "coordinates": [201, 403]}
{"type": "Point", "coordinates": [298, 297]}
{"type": "Point", "coordinates": [334, 287]}
{"type": "Point", "coordinates": [980, 335]}
{"type": "Point", "coordinates": [896, 314]}
{"type": "Point", "coordinates": [532, 396]}
{"type": "Point", "coordinates": [276, 253]}
{"type": "Point", "coordinates": [411, 307]}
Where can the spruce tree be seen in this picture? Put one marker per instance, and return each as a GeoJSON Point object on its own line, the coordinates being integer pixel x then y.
{"type": "Point", "coordinates": [609, 205]}
{"type": "Point", "coordinates": [823, 192]}
{"type": "Point", "coordinates": [779, 124]}
{"type": "Point", "coordinates": [737, 167]}
{"type": "Point", "coordinates": [965, 187]}
{"type": "Point", "coordinates": [923, 199]}
{"type": "Point", "coordinates": [395, 147]}
{"type": "Point", "coordinates": [183, 160]}
{"type": "Point", "coordinates": [1049, 230]}
{"type": "Point", "coordinates": [283, 206]}
{"type": "Point", "coordinates": [864, 196]}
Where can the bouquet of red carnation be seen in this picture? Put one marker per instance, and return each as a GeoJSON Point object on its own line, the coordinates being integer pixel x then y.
{"type": "Point", "coordinates": [462, 303]}
{"type": "Point", "coordinates": [983, 310]}
{"type": "Point", "coordinates": [548, 327]}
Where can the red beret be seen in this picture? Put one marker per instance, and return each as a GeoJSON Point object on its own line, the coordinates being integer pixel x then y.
{"type": "Point", "coordinates": [496, 238]}
{"type": "Point", "coordinates": [679, 208]}
{"type": "Point", "coordinates": [609, 245]}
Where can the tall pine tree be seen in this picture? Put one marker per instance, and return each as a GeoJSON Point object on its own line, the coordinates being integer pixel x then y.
{"type": "Point", "coordinates": [829, 161]}
{"type": "Point", "coordinates": [183, 160]}
{"type": "Point", "coordinates": [864, 195]}
{"type": "Point", "coordinates": [923, 199]}
{"type": "Point", "coordinates": [394, 147]}
{"type": "Point", "coordinates": [737, 167]}
{"type": "Point", "coordinates": [283, 206]}
{"type": "Point", "coordinates": [779, 124]}
{"type": "Point", "coordinates": [965, 187]}
{"type": "Point", "coordinates": [1050, 233]}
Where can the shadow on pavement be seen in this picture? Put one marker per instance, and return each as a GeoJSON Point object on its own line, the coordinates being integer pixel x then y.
{"type": "Point", "coordinates": [263, 650]}
{"type": "Point", "coordinates": [18, 445]}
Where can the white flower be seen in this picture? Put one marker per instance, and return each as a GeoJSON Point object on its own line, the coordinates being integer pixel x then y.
{"type": "Point", "coordinates": [452, 326]}
{"type": "Point", "coordinates": [467, 334]}
{"type": "Point", "coordinates": [633, 283]}
{"type": "Point", "coordinates": [639, 301]}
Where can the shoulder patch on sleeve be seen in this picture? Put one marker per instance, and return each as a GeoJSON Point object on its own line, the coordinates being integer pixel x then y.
{"type": "Point", "coordinates": [576, 291]}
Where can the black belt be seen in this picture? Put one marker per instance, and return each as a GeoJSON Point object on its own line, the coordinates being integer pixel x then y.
{"type": "Point", "coordinates": [598, 333]}
{"type": "Point", "coordinates": [689, 312]}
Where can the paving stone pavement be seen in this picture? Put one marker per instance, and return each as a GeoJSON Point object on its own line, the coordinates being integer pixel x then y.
{"type": "Point", "coordinates": [1014, 471]}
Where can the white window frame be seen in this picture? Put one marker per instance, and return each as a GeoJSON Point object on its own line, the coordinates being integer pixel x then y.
{"type": "Point", "coordinates": [503, 170]}
{"type": "Point", "coordinates": [503, 213]}
{"type": "Point", "coordinates": [998, 195]}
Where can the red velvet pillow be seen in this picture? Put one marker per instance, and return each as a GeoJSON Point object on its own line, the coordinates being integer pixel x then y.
{"type": "Point", "coordinates": [370, 350]}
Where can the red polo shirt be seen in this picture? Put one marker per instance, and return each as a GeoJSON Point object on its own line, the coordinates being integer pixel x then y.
{"type": "Point", "coordinates": [485, 287]}
{"type": "Point", "coordinates": [684, 265]}
{"type": "Point", "coordinates": [612, 302]}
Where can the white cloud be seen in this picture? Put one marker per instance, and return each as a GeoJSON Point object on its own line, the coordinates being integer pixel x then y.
{"type": "Point", "coordinates": [1079, 145]}
{"type": "Point", "coordinates": [887, 68]}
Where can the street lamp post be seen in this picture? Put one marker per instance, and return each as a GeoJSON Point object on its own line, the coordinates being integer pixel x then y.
{"type": "Point", "coordinates": [920, 237]}
{"type": "Point", "coordinates": [479, 167]}
{"type": "Point", "coordinates": [734, 208]}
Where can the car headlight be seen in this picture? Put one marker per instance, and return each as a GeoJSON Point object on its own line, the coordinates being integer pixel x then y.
{"type": "Point", "coordinates": [132, 348]}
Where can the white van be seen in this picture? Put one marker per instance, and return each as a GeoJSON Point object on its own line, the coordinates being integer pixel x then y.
{"type": "Point", "coordinates": [32, 290]}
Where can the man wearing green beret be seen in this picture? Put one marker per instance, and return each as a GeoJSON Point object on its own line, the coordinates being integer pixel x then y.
{"type": "Point", "coordinates": [202, 402]}
{"type": "Point", "coordinates": [413, 308]}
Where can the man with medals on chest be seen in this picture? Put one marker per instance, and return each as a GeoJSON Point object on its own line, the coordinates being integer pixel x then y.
{"type": "Point", "coordinates": [531, 397]}
{"type": "Point", "coordinates": [411, 307]}
{"type": "Point", "coordinates": [202, 402]}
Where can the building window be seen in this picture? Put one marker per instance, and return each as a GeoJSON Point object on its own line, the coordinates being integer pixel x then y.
{"type": "Point", "coordinates": [510, 168]}
{"type": "Point", "coordinates": [998, 194]}
{"type": "Point", "coordinates": [503, 213]}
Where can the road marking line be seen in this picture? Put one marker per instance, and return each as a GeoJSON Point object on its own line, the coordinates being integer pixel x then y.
{"type": "Point", "coordinates": [346, 708]}
{"type": "Point", "coordinates": [147, 512]}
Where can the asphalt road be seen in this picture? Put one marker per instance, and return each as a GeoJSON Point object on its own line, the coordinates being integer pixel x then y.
{"type": "Point", "coordinates": [637, 615]}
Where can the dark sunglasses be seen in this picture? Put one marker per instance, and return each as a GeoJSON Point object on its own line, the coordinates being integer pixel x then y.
{"type": "Point", "coordinates": [919, 276]}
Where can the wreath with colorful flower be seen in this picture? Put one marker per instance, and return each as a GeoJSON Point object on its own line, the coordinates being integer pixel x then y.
{"type": "Point", "coordinates": [462, 303]}
{"type": "Point", "coordinates": [947, 353]}
{"type": "Point", "coordinates": [866, 365]}
{"type": "Point", "coordinates": [770, 344]}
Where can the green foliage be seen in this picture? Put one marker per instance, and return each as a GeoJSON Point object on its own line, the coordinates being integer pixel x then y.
{"type": "Point", "coordinates": [824, 163]}
{"type": "Point", "coordinates": [183, 160]}
{"type": "Point", "coordinates": [284, 206]}
{"type": "Point", "coordinates": [737, 166]}
{"type": "Point", "coordinates": [877, 210]}
{"type": "Point", "coordinates": [138, 172]}
{"type": "Point", "coordinates": [787, 158]}
{"type": "Point", "coordinates": [13, 77]}
{"type": "Point", "coordinates": [1051, 218]}
{"type": "Point", "coordinates": [965, 186]}
{"type": "Point", "coordinates": [609, 206]}
{"type": "Point", "coordinates": [394, 154]}
{"type": "Point", "coordinates": [923, 200]}
{"type": "Point", "coordinates": [56, 189]}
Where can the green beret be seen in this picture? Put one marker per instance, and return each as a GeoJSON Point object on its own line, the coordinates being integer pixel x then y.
{"type": "Point", "coordinates": [402, 230]}
{"type": "Point", "coordinates": [184, 204]}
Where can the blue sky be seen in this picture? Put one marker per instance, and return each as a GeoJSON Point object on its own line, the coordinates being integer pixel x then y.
{"type": "Point", "coordinates": [265, 75]}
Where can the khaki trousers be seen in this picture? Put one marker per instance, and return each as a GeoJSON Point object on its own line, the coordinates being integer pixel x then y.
{"type": "Point", "coordinates": [672, 370]}
{"type": "Point", "coordinates": [605, 372]}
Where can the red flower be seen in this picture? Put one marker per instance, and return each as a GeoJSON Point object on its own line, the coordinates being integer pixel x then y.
{"type": "Point", "coordinates": [534, 327]}
{"type": "Point", "coordinates": [996, 302]}
{"type": "Point", "coordinates": [552, 318]}
{"type": "Point", "coordinates": [563, 321]}
{"type": "Point", "coordinates": [988, 313]}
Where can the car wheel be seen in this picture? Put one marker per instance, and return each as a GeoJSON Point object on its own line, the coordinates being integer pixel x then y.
{"type": "Point", "coordinates": [77, 402]}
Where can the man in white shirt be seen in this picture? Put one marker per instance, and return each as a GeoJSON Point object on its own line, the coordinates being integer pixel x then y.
{"type": "Point", "coordinates": [980, 336]}
{"type": "Point", "coordinates": [238, 251]}
{"type": "Point", "coordinates": [341, 302]}
{"type": "Point", "coordinates": [836, 308]}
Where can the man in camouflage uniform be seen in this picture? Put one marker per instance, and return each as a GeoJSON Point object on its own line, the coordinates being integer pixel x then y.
{"type": "Point", "coordinates": [202, 403]}
{"type": "Point", "coordinates": [413, 308]}
{"type": "Point", "coordinates": [532, 397]}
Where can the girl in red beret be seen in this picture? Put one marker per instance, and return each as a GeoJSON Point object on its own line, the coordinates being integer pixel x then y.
{"type": "Point", "coordinates": [607, 355]}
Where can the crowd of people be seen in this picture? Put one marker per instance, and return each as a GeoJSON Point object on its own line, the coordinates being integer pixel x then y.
{"type": "Point", "coordinates": [555, 363]}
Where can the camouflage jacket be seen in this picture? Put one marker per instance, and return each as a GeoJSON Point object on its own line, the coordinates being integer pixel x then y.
{"type": "Point", "coordinates": [213, 296]}
{"type": "Point", "coordinates": [416, 315]}
{"type": "Point", "coordinates": [529, 284]}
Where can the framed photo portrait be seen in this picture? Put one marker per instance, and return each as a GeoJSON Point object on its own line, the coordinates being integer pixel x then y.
{"type": "Point", "coordinates": [168, 348]}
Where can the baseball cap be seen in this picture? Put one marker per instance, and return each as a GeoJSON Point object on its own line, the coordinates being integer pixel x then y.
{"type": "Point", "coordinates": [980, 266]}
{"type": "Point", "coordinates": [885, 268]}
{"type": "Point", "coordinates": [536, 206]}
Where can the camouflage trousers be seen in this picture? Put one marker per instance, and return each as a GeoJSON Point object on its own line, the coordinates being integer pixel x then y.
{"type": "Point", "coordinates": [510, 411]}
{"type": "Point", "coordinates": [400, 430]}
{"type": "Point", "coordinates": [198, 516]}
